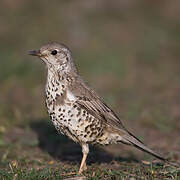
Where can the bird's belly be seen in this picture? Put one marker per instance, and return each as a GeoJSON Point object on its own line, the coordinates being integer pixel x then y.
{"type": "Point", "coordinates": [76, 123]}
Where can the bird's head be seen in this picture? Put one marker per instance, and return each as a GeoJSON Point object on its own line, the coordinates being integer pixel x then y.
{"type": "Point", "coordinates": [55, 56]}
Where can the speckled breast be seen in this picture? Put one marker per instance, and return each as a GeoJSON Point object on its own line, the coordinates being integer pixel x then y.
{"type": "Point", "coordinates": [72, 120]}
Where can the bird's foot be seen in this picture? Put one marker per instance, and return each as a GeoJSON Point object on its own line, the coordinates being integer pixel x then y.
{"type": "Point", "coordinates": [83, 168]}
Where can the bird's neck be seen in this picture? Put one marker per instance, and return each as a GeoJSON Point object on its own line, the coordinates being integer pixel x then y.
{"type": "Point", "coordinates": [55, 86]}
{"type": "Point", "coordinates": [56, 80]}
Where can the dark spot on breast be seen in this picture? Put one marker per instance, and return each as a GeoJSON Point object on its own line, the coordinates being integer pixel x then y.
{"type": "Point", "coordinates": [57, 83]}
{"type": "Point", "coordinates": [80, 98]}
{"type": "Point", "coordinates": [98, 128]}
{"type": "Point", "coordinates": [51, 113]}
{"type": "Point", "coordinates": [86, 128]}
{"type": "Point", "coordinates": [57, 95]}
{"type": "Point", "coordinates": [78, 113]}
{"type": "Point", "coordinates": [61, 98]}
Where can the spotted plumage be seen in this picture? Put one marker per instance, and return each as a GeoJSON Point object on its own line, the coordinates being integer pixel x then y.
{"type": "Point", "coordinates": [75, 109]}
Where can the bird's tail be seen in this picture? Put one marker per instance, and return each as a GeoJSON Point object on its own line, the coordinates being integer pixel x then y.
{"type": "Point", "coordinates": [132, 140]}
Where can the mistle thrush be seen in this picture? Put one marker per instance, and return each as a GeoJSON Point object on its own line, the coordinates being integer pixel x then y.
{"type": "Point", "coordinates": [75, 109]}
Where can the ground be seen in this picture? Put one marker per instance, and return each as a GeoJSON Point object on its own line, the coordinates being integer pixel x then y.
{"type": "Point", "coordinates": [128, 52]}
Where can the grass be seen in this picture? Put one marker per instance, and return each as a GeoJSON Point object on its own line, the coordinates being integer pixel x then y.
{"type": "Point", "coordinates": [40, 153]}
{"type": "Point", "coordinates": [128, 52]}
{"type": "Point", "coordinates": [137, 171]}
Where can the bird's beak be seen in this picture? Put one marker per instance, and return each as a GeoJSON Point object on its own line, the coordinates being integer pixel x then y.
{"type": "Point", "coordinates": [35, 53]}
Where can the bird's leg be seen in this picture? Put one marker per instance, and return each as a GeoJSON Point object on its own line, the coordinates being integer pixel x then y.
{"type": "Point", "coordinates": [85, 151]}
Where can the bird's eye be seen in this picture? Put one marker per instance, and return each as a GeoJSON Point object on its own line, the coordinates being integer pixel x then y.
{"type": "Point", "coordinates": [54, 52]}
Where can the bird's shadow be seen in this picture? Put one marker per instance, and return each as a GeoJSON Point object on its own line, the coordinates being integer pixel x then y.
{"type": "Point", "coordinates": [64, 149]}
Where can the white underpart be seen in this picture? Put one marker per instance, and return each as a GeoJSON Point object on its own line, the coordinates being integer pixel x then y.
{"type": "Point", "coordinates": [68, 116]}
{"type": "Point", "coordinates": [70, 96]}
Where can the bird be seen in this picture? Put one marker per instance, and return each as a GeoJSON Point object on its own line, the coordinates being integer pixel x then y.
{"type": "Point", "coordinates": [76, 110]}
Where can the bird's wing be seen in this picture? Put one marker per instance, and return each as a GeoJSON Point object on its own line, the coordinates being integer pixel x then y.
{"type": "Point", "coordinates": [91, 102]}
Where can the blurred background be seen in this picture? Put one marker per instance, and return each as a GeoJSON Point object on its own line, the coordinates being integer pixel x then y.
{"type": "Point", "coordinates": [127, 50]}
